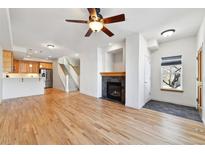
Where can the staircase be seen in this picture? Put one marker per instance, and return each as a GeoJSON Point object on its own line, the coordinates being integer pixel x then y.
{"type": "Point", "coordinates": [69, 74]}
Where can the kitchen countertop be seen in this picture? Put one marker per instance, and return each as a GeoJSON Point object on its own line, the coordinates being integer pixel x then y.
{"type": "Point", "coordinates": [23, 78]}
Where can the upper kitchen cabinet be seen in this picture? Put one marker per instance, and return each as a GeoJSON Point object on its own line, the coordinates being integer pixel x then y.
{"type": "Point", "coordinates": [46, 65]}
{"type": "Point", "coordinates": [23, 66]}
{"type": "Point", "coordinates": [16, 66]}
{"type": "Point", "coordinates": [27, 66]}
{"type": "Point", "coordinates": [7, 61]}
{"type": "Point", "coordinates": [34, 67]}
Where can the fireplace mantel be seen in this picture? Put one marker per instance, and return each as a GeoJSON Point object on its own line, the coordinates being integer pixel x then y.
{"type": "Point", "coordinates": [112, 73]}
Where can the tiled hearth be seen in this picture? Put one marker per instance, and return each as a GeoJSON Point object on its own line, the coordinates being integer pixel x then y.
{"type": "Point", "coordinates": [113, 87]}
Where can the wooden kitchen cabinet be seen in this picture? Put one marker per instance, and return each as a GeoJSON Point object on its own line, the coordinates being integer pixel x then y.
{"type": "Point", "coordinates": [7, 61]}
{"type": "Point", "coordinates": [16, 66]}
{"type": "Point", "coordinates": [28, 67]}
{"type": "Point", "coordinates": [35, 67]}
{"type": "Point", "coordinates": [23, 66]}
{"type": "Point", "coordinates": [46, 65]}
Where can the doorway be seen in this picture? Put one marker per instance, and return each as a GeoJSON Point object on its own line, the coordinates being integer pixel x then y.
{"type": "Point", "coordinates": [199, 80]}
{"type": "Point", "coordinates": [147, 79]}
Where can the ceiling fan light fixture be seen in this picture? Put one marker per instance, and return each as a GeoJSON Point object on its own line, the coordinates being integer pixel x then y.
{"type": "Point", "coordinates": [97, 23]}
{"type": "Point", "coordinates": [96, 26]}
{"type": "Point", "coordinates": [168, 33]}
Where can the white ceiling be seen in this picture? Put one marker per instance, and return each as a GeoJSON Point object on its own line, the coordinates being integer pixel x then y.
{"type": "Point", "coordinates": [34, 28]}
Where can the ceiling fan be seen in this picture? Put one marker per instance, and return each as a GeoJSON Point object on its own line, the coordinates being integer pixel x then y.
{"type": "Point", "coordinates": [97, 23]}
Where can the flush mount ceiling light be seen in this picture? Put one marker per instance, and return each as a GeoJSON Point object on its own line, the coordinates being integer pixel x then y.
{"type": "Point", "coordinates": [50, 46]}
{"type": "Point", "coordinates": [109, 44]}
{"type": "Point", "coordinates": [77, 55]}
{"type": "Point", "coordinates": [96, 26]}
{"type": "Point", "coordinates": [168, 33]}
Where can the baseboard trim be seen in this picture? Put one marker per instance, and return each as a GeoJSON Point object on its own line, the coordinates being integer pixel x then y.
{"type": "Point", "coordinates": [203, 120]}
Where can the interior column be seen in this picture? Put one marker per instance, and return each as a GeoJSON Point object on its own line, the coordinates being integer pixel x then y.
{"type": "Point", "coordinates": [134, 72]}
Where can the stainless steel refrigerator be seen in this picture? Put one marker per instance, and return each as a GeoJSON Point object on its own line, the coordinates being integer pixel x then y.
{"type": "Point", "coordinates": [48, 75]}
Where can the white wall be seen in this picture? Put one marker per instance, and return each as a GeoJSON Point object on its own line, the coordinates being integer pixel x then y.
{"type": "Point", "coordinates": [108, 62]}
{"type": "Point", "coordinates": [100, 55]}
{"type": "Point", "coordinates": [1, 67]}
{"type": "Point", "coordinates": [88, 71]}
{"type": "Point", "coordinates": [113, 59]}
{"type": "Point", "coordinates": [145, 53]}
{"type": "Point", "coordinates": [132, 71]}
{"type": "Point", "coordinates": [201, 35]}
{"type": "Point", "coordinates": [118, 65]}
{"type": "Point", "coordinates": [187, 48]}
{"type": "Point", "coordinates": [200, 41]}
{"type": "Point", "coordinates": [57, 83]}
{"type": "Point", "coordinates": [136, 49]}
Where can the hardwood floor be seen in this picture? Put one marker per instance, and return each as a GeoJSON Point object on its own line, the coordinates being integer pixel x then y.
{"type": "Point", "coordinates": [74, 118]}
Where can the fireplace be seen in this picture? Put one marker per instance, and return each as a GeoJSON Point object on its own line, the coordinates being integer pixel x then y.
{"type": "Point", "coordinates": [113, 87]}
{"type": "Point", "coordinates": [114, 91]}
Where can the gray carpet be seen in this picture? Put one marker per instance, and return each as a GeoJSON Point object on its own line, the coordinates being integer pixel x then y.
{"type": "Point", "coordinates": [174, 109]}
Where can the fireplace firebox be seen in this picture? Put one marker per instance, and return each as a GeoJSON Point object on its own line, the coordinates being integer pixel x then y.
{"type": "Point", "coordinates": [114, 91]}
{"type": "Point", "coordinates": [113, 88]}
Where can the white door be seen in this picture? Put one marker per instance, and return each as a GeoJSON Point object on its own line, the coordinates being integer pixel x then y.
{"type": "Point", "coordinates": [147, 79]}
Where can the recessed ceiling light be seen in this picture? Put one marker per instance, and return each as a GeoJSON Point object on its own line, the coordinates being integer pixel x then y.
{"type": "Point", "coordinates": [168, 33]}
{"type": "Point", "coordinates": [50, 46]}
{"type": "Point", "coordinates": [28, 56]}
{"type": "Point", "coordinates": [49, 56]}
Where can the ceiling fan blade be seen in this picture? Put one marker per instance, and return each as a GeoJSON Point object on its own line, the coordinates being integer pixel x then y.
{"type": "Point", "coordinates": [92, 12]}
{"type": "Point", "coordinates": [77, 21]}
{"type": "Point", "coordinates": [113, 19]}
{"type": "Point", "coordinates": [107, 31]}
{"type": "Point", "coordinates": [89, 32]}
